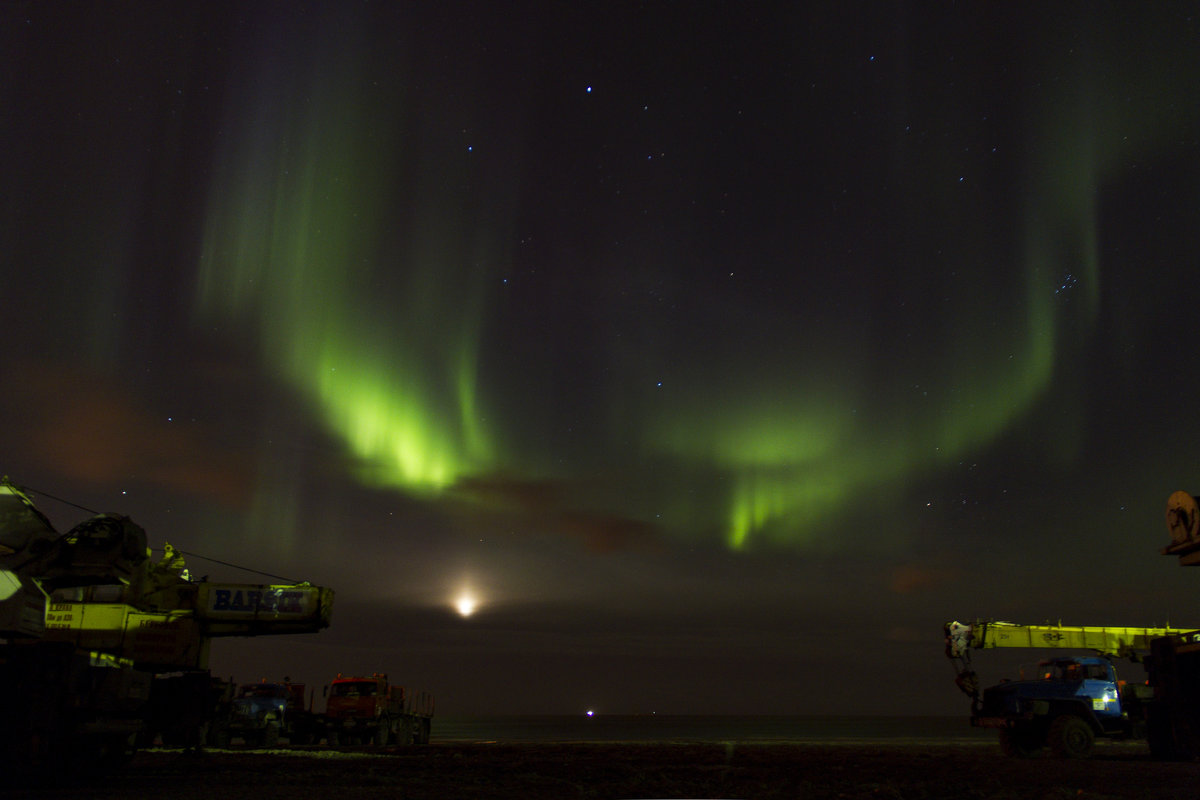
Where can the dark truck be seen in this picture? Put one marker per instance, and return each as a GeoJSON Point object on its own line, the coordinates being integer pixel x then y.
{"type": "Point", "coordinates": [1069, 703]}
{"type": "Point", "coordinates": [263, 713]}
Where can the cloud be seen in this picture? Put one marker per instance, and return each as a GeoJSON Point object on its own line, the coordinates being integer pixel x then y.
{"type": "Point", "coordinates": [88, 426]}
{"type": "Point", "coordinates": [912, 578]}
{"type": "Point", "coordinates": [543, 506]}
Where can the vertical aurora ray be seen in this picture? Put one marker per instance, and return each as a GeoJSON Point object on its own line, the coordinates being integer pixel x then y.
{"type": "Point", "coordinates": [791, 468]}
{"type": "Point", "coordinates": [1002, 347]}
{"type": "Point", "coordinates": [343, 242]}
{"type": "Point", "coordinates": [352, 302]}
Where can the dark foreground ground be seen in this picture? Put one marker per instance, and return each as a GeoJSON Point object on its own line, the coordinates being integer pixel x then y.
{"type": "Point", "coordinates": [601, 770]}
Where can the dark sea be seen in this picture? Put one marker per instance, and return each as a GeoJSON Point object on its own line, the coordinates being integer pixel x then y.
{"type": "Point", "coordinates": [714, 729]}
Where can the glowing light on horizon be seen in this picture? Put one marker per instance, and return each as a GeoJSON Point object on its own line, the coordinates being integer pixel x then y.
{"type": "Point", "coordinates": [466, 604]}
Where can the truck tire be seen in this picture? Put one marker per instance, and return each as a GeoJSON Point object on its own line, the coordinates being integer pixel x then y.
{"type": "Point", "coordinates": [110, 752]}
{"type": "Point", "coordinates": [1071, 737]}
{"type": "Point", "coordinates": [1021, 742]}
{"type": "Point", "coordinates": [379, 737]}
{"type": "Point", "coordinates": [270, 735]}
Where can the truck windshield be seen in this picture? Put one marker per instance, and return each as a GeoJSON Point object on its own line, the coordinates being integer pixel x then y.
{"type": "Point", "coordinates": [353, 689]}
{"type": "Point", "coordinates": [1069, 671]}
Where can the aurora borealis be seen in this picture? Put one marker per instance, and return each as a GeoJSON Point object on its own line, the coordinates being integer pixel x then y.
{"type": "Point", "coordinates": [694, 343]}
{"type": "Point", "coordinates": [296, 250]}
{"type": "Point", "coordinates": [297, 246]}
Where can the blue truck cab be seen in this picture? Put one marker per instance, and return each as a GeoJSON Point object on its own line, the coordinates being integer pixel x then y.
{"type": "Point", "coordinates": [260, 712]}
{"type": "Point", "coordinates": [1067, 705]}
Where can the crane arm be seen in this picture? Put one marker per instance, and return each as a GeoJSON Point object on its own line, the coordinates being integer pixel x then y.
{"type": "Point", "coordinates": [97, 588]}
{"type": "Point", "coordinates": [1108, 641]}
{"type": "Point", "coordinates": [237, 609]}
{"type": "Point", "coordinates": [962, 638]}
{"type": "Point", "coordinates": [177, 638]}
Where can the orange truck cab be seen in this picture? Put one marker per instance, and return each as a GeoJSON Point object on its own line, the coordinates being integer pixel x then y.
{"type": "Point", "coordinates": [369, 710]}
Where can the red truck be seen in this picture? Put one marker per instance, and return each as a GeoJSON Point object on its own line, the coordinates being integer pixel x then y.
{"type": "Point", "coordinates": [369, 710]}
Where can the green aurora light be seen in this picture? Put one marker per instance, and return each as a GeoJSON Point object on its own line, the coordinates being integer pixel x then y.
{"type": "Point", "coordinates": [296, 246]}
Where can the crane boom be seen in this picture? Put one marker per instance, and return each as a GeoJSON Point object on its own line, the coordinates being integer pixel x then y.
{"type": "Point", "coordinates": [1108, 641]}
{"type": "Point", "coordinates": [177, 638]}
{"type": "Point", "coordinates": [962, 638]}
{"type": "Point", "coordinates": [96, 588]}
{"type": "Point", "coordinates": [235, 609]}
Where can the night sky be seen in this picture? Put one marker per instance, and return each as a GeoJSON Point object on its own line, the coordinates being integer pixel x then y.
{"type": "Point", "coordinates": [720, 353]}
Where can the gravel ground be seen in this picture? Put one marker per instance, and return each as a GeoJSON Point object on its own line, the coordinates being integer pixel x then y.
{"type": "Point", "coordinates": [609, 770]}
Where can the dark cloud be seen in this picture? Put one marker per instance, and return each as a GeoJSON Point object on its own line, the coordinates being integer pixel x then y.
{"type": "Point", "coordinates": [89, 426]}
{"type": "Point", "coordinates": [909, 578]}
{"type": "Point", "coordinates": [544, 507]}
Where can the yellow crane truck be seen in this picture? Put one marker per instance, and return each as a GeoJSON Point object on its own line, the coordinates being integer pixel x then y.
{"type": "Point", "coordinates": [1073, 699]}
{"type": "Point", "coordinates": [1067, 701]}
{"type": "Point", "coordinates": [101, 646]}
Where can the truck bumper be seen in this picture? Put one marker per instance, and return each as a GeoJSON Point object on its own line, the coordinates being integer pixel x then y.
{"type": "Point", "coordinates": [354, 724]}
{"type": "Point", "coordinates": [998, 722]}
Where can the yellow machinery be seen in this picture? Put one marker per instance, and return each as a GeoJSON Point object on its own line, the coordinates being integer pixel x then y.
{"type": "Point", "coordinates": [170, 629]}
{"type": "Point", "coordinates": [1080, 697]}
{"type": "Point", "coordinates": [962, 638]}
{"type": "Point", "coordinates": [89, 623]}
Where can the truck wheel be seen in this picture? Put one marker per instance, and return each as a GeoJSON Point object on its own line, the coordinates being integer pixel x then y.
{"type": "Point", "coordinates": [270, 735]}
{"type": "Point", "coordinates": [1020, 743]}
{"type": "Point", "coordinates": [199, 736]}
{"type": "Point", "coordinates": [1071, 737]}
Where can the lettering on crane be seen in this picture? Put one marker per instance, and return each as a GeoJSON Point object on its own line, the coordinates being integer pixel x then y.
{"type": "Point", "coordinates": [258, 601]}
